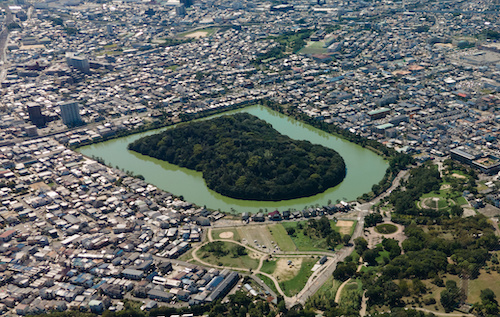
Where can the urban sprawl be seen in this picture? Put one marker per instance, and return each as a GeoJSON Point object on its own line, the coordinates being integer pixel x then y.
{"type": "Point", "coordinates": [421, 77]}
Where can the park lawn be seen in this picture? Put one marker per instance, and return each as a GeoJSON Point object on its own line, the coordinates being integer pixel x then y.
{"type": "Point", "coordinates": [242, 261]}
{"type": "Point", "coordinates": [268, 282]}
{"type": "Point", "coordinates": [281, 237]}
{"type": "Point", "coordinates": [216, 234]}
{"type": "Point", "coordinates": [293, 286]}
{"type": "Point", "coordinates": [381, 256]}
{"type": "Point", "coordinates": [440, 194]}
{"type": "Point", "coordinates": [485, 280]}
{"type": "Point", "coordinates": [268, 267]}
{"type": "Point", "coordinates": [435, 291]}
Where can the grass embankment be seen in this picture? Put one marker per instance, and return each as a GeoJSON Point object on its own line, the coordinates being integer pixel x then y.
{"type": "Point", "coordinates": [292, 286]}
{"type": "Point", "coordinates": [268, 282]}
{"type": "Point", "coordinates": [268, 266]}
{"type": "Point", "coordinates": [325, 294]}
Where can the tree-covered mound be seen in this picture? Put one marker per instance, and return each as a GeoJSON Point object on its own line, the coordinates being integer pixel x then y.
{"type": "Point", "coordinates": [243, 157]}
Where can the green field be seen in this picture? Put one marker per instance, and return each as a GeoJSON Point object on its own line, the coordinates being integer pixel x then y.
{"type": "Point", "coordinates": [295, 285]}
{"type": "Point", "coordinates": [281, 237]}
{"type": "Point", "coordinates": [313, 48]}
{"type": "Point", "coordinates": [241, 261]}
{"type": "Point", "coordinates": [268, 267]}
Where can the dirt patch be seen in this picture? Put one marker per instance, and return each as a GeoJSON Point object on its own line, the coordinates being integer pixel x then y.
{"type": "Point", "coordinates": [345, 226]}
{"type": "Point", "coordinates": [253, 255]}
{"type": "Point", "coordinates": [226, 235]}
{"type": "Point", "coordinates": [468, 212]}
{"type": "Point", "coordinates": [457, 175]}
{"type": "Point", "coordinates": [445, 186]}
{"type": "Point", "coordinates": [197, 34]}
{"type": "Point", "coordinates": [284, 272]}
{"type": "Point", "coordinates": [39, 185]}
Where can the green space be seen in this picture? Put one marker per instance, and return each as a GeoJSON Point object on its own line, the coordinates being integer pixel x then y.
{"type": "Point", "coordinates": [244, 157]}
{"type": "Point", "coordinates": [381, 255]}
{"type": "Point", "coordinates": [485, 279]}
{"type": "Point", "coordinates": [314, 235]}
{"type": "Point", "coordinates": [325, 296]}
{"type": "Point", "coordinates": [313, 48]}
{"type": "Point", "coordinates": [460, 201]}
{"type": "Point", "coordinates": [268, 266]}
{"type": "Point", "coordinates": [289, 42]}
{"type": "Point", "coordinates": [296, 284]}
{"type": "Point", "coordinates": [350, 298]}
{"type": "Point", "coordinates": [281, 237]}
{"type": "Point", "coordinates": [386, 228]}
{"type": "Point", "coordinates": [208, 31]}
{"type": "Point", "coordinates": [227, 254]}
{"type": "Point", "coordinates": [173, 67]}
{"type": "Point", "coordinates": [268, 282]}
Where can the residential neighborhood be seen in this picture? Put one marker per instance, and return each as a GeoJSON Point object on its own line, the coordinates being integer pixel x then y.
{"type": "Point", "coordinates": [422, 78]}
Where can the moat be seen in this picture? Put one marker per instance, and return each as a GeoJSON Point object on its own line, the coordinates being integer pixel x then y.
{"type": "Point", "coordinates": [364, 167]}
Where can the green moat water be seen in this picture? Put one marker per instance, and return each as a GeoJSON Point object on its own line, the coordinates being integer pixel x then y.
{"type": "Point", "coordinates": [364, 168]}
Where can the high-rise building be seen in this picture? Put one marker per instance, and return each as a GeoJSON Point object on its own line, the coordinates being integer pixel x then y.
{"type": "Point", "coordinates": [180, 10]}
{"type": "Point", "coordinates": [70, 113]}
{"type": "Point", "coordinates": [79, 62]}
{"type": "Point", "coordinates": [35, 114]}
{"type": "Point", "coordinates": [187, 3]}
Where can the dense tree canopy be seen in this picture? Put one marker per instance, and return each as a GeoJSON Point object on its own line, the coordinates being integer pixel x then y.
{"type": "Point", "coordinates": [243, 157]}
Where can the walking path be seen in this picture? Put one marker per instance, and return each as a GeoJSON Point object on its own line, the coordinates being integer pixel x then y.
{"type": "Point", "coordinates": [318, 278]}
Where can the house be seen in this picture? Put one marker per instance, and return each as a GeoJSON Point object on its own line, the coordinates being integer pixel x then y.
{"type": "Point", "coordinates": [96, 306]}
{"type": "Point", "coordinates": [275, 215]}
{"type": "Point", "coordinates": [165, 267]}
{"type": "Point", "coordinates": [245, 216]}
{"type": "Point", "coordinates": [7, 235]}
{"type": "Point", "coordinates": [183, 296]}
{"type": "Point", "coordinates": [160, 295]}
{"type": "Point", "coordinates": [286, 214]}
{"type": "Point", "coordinates": [132, 274]}
{"type": "Point", "coordinates": [259, 217]}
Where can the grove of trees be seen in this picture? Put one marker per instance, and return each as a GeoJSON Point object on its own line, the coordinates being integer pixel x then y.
{"type": "Point", "coordinates": [243, 157]}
